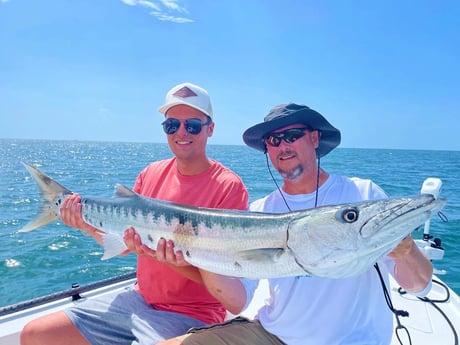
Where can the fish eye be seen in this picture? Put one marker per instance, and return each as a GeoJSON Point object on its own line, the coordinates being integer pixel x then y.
{"type": "Point", "coordinates": [350, 215]}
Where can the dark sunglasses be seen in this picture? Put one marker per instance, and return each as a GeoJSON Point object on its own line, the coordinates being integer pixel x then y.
{"type": "Point", "coordinates": [192, 126]}
{"type": "Point", "coordinates": [289, 136]}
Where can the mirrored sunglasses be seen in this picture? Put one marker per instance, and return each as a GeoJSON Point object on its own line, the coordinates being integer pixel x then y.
{"type": "Point", "coordinates": [192, 126]}
{"type": "Point", "coordinates": [289, 136]}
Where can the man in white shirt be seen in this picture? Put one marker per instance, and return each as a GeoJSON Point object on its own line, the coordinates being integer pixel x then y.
{"type": "Point", "coordinates": [308, 309]}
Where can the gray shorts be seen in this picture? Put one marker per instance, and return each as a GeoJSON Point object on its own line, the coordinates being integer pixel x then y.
{"type": "Point", "coordinates": [238, 331]}
{"type": "Point", "coordinates": [125, 318]}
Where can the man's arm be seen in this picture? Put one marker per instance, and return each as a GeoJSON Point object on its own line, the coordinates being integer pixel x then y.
{"type": "Point", "coordinates": [228, 291]}
{"type": "Point", "coordinates": [413, 270]}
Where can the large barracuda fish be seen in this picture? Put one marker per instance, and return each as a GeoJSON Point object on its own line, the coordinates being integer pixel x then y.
{"type": "Point", "coordinates": [330, 241]}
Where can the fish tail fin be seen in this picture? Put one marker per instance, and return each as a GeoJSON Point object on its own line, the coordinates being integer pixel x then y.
{"type": "Point", "coordinates": [52, 193]}
{"type": "Point", "coordinates": [113, 245]}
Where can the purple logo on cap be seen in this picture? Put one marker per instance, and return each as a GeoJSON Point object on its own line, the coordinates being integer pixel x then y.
{"type": "Point", "coordinates": [184, 93]}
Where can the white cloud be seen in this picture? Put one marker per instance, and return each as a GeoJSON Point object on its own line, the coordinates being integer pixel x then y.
{"type": "Point", "coordinates": [4, 1]}
{"type": "Point", "coordinates": [129, 2]}
{"type": "Point", "coordinates": [163, 10]}
{"type": "Point", "coordinates": [149, 4]}
{"type": "Point", "coordinates": [167, 18]}
{"type": "Point", "coordinates": [172, 5]}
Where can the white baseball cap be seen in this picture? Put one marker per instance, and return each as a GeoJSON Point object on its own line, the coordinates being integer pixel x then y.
{"type": "Point", "coordinates": [188, 94]}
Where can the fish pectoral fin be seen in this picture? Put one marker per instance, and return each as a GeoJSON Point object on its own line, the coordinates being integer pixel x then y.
{"type": "Point", "coordinates": [113, 245]}
{"type": "Point", "coordinates": [261, 254]}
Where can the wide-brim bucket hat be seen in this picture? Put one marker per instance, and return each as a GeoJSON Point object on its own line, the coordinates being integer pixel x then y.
{"type": "Point", "coordinates": [288, 114]}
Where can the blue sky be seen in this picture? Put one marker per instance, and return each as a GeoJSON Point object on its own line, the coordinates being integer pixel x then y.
{"type": "Point", "coordinates": [386, 73]}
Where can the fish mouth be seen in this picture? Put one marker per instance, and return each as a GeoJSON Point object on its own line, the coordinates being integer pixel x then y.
{"type": "Point", "coordinates": [412, 213]}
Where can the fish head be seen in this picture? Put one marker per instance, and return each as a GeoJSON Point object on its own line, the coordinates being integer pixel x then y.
{"type": "Point", "coordinates": [344, 240]}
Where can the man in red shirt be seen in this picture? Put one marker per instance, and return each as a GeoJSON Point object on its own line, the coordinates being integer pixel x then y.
{"type": "Point", "coordinates": [167, 299]}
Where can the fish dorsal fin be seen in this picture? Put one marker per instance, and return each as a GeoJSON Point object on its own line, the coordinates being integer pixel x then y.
{"type": "Point", "coordinates": [261, 254]}
{"type": "Point", "coordinates": [123, 191]}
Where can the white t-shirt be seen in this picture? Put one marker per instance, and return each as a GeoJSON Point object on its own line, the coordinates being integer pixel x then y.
{"type": "Point", "coordinates": [312, 310]}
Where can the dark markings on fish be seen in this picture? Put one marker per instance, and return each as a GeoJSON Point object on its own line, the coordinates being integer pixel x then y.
{"type": "Point", "coordinates": [189, 222]}
{"type": "Point", "coordinates": [150, 238]}
{"type": "Point", "coordinates": [183, 219]}
{"type": "Point", "coordinates": [133, 212]}
{"type": "Point", "coordinates": [202, 216]}
{"type": "Point", "coordinates": [237, 265]}
{"type": "Point", "coordinates": [195, 230]}
{"type": "Point", "coordinates": [187, 254]}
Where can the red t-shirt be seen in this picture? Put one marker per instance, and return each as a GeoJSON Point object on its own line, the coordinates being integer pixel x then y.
{"type": "Point", "coordinates": [161, 286]}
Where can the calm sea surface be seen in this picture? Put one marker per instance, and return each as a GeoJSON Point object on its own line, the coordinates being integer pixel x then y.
{"type": "Point", "coordinates": [50, 259]}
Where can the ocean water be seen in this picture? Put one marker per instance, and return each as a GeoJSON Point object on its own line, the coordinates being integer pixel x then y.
{"type": "Point", "coordinates": [54, 257]}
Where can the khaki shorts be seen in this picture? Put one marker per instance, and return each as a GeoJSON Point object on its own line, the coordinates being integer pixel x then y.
{"type": "Point", "coordinates": [238, 331]}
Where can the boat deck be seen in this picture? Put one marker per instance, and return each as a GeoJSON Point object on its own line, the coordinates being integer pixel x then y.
{"type": "Point", "coordinates": [430, 321]}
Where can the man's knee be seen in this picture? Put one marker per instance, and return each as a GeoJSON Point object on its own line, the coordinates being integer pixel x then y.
{"type": "Point", "coordinates": [51, 329]}
{"type": "Point", "coordinates": [29, 333]}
